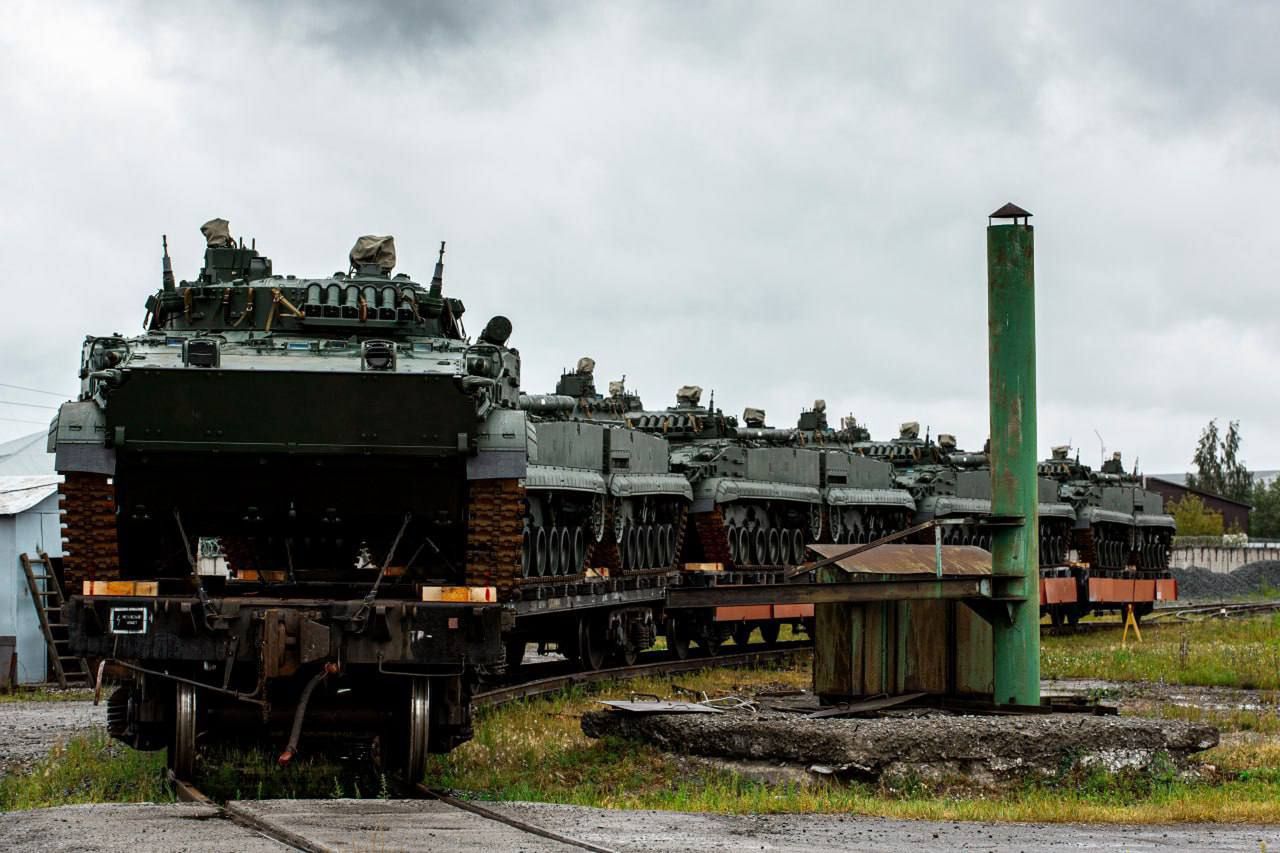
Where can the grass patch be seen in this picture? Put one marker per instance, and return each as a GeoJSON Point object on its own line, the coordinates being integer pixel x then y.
{"type": "Point", "coordinates": [247, 774]}
{"type": "Point", "coordinates": [89, 768]}
{"type": "Point", "coordinates": [1215, 653]}
{"type": "Point", "coordinates": [535, 750]}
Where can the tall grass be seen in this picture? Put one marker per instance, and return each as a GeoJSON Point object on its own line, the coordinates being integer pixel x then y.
{"type": "Point", "coordinates": [1214, 652]}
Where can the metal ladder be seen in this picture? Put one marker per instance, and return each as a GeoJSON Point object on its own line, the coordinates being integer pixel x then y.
{"type": "Point", "coordinates": [46, 594]}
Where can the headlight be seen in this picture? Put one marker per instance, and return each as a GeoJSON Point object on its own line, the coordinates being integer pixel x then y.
{"type": "Point", "coordinates": [378, 355]}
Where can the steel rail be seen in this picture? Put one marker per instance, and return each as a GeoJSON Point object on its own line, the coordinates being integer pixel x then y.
{"type": "Point", "coordinates": [489, 814]}
{"type": "Point", "coordinates": [189, 793]}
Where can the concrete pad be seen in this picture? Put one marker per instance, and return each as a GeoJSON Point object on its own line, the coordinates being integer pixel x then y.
{"type": "Point", "coordinates": [652, 831]}
{"type": "Point", "coordinates": [413, 825]}
{"type": "Point", "coordinates": [398, 825]}
{"type": "Point", "coordinates": [129, 828]}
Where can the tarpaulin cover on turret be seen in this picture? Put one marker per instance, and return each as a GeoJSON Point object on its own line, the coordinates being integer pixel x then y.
{"type": "Point", "coordinates": [371, 249]}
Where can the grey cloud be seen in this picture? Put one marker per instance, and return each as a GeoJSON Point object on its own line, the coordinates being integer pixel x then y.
{"type": "Point", "coordinates": [780, 203]}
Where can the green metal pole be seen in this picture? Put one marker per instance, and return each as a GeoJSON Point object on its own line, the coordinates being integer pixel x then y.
{"type": "Point", "coordinates": [1015, 558]}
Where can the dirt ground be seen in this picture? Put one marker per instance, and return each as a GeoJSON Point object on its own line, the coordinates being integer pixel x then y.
{"type": "Point", "coordinates": [29, 729]}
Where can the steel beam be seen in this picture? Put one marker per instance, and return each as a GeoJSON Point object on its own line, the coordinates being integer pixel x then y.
{"type": "Point", "coordinates": [831, 593]}
{"type": "Point", "coordinates": [1011, 320]}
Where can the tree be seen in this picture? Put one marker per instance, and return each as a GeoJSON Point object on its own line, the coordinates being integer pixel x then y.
{"type": "Point", "coordinates": [1219, 469]}
{"type": "Point", "coordinates": [1264, 520]}
{"type": "Point", "coordinates": [1193, 518]}
{"type": "Point", "coordinates": [1237, 481]}
{"type": "Point", "coordinates": [1208, 476]}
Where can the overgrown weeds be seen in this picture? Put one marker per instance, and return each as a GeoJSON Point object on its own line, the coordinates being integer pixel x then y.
{"type": "Point", "coordinates": [89, 768]}
{"type": "Point", "coordinates": [1213, 652]}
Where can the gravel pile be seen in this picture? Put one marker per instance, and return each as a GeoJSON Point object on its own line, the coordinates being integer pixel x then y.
{"type": "Point", "coordinates": [1251, 579]}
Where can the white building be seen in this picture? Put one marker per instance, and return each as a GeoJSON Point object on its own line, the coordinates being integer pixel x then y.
{"type": "Point", "coordinates": [29, 523]}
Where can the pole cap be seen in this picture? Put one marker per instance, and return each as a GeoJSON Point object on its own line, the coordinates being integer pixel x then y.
{"type": "Point", "coordinates": [1010, 211]}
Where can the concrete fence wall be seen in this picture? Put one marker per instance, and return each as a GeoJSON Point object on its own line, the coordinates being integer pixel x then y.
{"type": "Point", "coordinates": [1223, 558]}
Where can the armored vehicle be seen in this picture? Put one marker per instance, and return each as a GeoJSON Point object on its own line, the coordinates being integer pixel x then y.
{"type": "Point", "coordinates": [285, 483]}
{"type": "Point", "coordinates": [947, 482]}
{"type": "Point", "coordinates": [1118, 523]}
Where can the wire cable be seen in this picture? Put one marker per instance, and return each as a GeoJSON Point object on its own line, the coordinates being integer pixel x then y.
{"type": "Point", "coordinates": [27, 405]}
{"type": "Point", "coordinates": [32, 390]}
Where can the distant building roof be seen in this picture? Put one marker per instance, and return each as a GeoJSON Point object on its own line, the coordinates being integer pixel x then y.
{"type": "Point", "coordinates": [26, 455]}
{"type": "Point", "coordinates": [1181, 483]}
{"type": "Point", "coordinates": [21, 493]}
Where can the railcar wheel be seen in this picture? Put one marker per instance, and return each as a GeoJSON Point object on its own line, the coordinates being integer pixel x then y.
{"type": "Point", "coordinates": [515, 654]}
{"type": "Point", "coordinates": [628, 653]}
{"type": "Point", "coordinates": [742, 634]}
{"type": "Point", "coordinates": [677, 639]}
{"type": "Point", "coordinates": [769, 633]}
{"type": "Point", "coordinates": [591, 643]}
{"type": "Point", "coordinates": [182, 750]}
{"type": "Point", "coordinates": [419, 729]}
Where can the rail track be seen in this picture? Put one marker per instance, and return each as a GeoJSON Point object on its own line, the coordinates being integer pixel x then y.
{"type": "Point", "coordinates": [530, 687]}
{"type": "Point", "coordinates": [186, 791]}
{"type": "Point", "coordinates": [292, 839]}
{"type": "Point", "coordinates": [1173, 614]}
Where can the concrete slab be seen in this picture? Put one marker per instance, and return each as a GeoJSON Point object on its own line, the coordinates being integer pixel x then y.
{"type": "Point", "coordinates": [652, 831]}
{"type": "Point", "coordinates": [413, 825]}
{"type": "Point", "coordinates": [129, 828]}
{"type": "Point", "coordinates": [398, 825]}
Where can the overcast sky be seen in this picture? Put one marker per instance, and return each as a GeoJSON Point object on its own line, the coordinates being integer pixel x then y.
{"type": "Point", "coordinates": [778, 201]}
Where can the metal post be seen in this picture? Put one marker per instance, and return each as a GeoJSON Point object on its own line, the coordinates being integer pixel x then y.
{"type": "Point", "coordinates": [1015, 559]}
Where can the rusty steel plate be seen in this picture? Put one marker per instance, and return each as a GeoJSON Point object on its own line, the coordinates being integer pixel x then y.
{"type": "Point", "coordinates": [957, 560]}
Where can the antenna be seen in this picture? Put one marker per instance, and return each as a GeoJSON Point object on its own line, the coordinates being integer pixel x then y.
{"type": "Point", "coordinates": [166, 265]}
{"type": "Point", "coordinates": [1102, 448]}
{"type": "Point", "coordinates": [711, 404]}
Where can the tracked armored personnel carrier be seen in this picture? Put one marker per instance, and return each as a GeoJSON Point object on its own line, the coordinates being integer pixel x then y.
{"type": "Point", "coordinates": [1118, 523]}
{"type": "Point", "coordinates": [1121, 540]}
{"type": "Point", "coordinates": [947, 482]}
{"type": "Point", "coordinates": [287, 488]}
